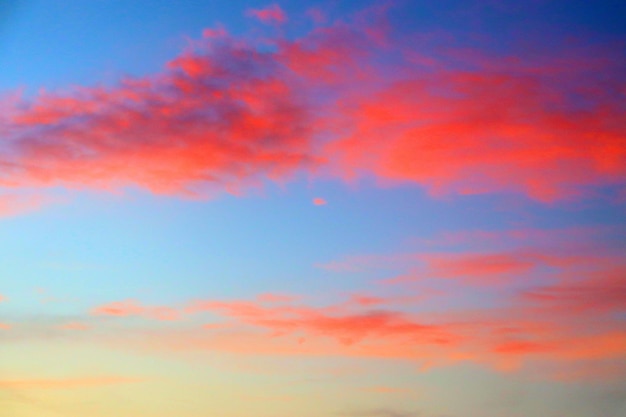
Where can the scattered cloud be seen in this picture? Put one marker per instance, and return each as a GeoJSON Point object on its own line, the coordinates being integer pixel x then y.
{"type": "Point", "coordinates": [228, 113]}
{"type": "Point", "coordinates": [271, 14]}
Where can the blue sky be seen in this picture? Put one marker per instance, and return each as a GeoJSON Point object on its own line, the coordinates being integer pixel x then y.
{"type": "Point", "coordinates": [257, 209]}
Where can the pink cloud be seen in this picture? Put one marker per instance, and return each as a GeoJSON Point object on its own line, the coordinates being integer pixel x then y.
{"type": "Point", "coordinates": [276, 298]}
{"type": "Point", "coordinates": [367, 300]}
{"type": "Point", "coordinates": [5, 326]}
{"type": "Point", "coordinates": [603, 291]}
{"type": "Point", "coordinates": [271, 14]}
{"type": "Point", "coordinates": [557, 326]}
{"type": "Point", "coordinates": [75, 326]}
{"type": "Point", "coordinates": [494, 258]}
{"type": "Point", "coordinates": [14, 204]}
{"type": "Point", "coordinates": [556, 311]}
{"type": "Point", "coordinates": [346, 327]}
{"type": "Point", "coordinates": [131, 308]}
{"type": "Point", "coordinates": [509, 339]}
{"type": "Point", "coordinates": [318, 201]}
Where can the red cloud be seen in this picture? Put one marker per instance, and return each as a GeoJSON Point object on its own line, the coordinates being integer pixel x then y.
{"type": "Point", "coordinates": [270, 14]}
{"type": "Point", "coordinates": [230, 113]}
{"type": "Point", "coordinates": [222, 116]}
{"type": "Point", "coordinates": [482, 131]}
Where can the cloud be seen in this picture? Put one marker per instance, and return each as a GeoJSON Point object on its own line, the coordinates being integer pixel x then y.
{"type": "Point", "coordinates": [221, 116]}
{"type": "Point", "coordinates": [131, 308]}
{"type": "Point", "coordinates": [555, 311]}
{"type": "Point", "coordinates": [605, 291]}
{"type": "Point", "coordinates": [270, 14]}
{"type": "Point", "coordinates": [75, 326]}
{"type": "Point", "coordinates": [5, 326]}
{"type": "Point", "coordinates": [318, 201]}
{"type": "Point", "coordinates": [276, 298]}
{"type": "Point", "coordinates": [16, 204]}
{"type": "Point", "coordinates": [350, 99]}
{"type": "Point", "coordinates": [67, 383]}
{"type": "Point", "coordinates": [380, 412]}
{"type": "Point", "coordinates": [468, 132]}
{"type": "Point", "coordinates": [344, 326]}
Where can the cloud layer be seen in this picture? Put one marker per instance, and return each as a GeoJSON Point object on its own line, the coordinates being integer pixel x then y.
{"type": "Point", "coordinates": [556, 311]}
{"type": "Point", "coordinates": [347, 99]}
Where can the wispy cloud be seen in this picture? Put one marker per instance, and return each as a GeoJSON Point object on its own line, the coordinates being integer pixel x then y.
{"type": "Point", "coordinates": [380, 412]}
{"type": "Point", "coordinates": [131, 308]}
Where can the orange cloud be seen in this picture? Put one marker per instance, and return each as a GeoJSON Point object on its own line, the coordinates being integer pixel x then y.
{"type": "Point", "coordinates": [347, 327]}
{"type": "Point", "coordinates": [276, 298]}
{"type": "Point", "coordinates": [508, 339]}
{"type": "Point", "coordinates": [318, 201]}
{"type": "Point", "coordinates": [549, 330]}
{"type": "Point", "coordinates": [67, 383]}
{"type": "Point", "coordinates": [5, 326]}
{"type": "Point", "coordinates": [556, 311]}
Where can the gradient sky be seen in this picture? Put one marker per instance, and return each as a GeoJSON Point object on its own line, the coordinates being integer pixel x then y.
{"type": "Point", "coordinates": [312, 209]}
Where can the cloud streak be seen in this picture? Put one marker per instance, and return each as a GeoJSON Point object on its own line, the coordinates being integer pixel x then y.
{"type": "Point", "coordinates": [67, 383]}
{"type": "Point", "coordinates": [133, 308]}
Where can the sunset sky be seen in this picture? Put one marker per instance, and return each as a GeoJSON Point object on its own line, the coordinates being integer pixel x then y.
{"type": "Point", "coordinates": [312, 208]}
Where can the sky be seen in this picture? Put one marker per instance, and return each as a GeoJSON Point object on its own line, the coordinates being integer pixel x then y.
{"type": "Point", "coordinates": [312, 208]}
